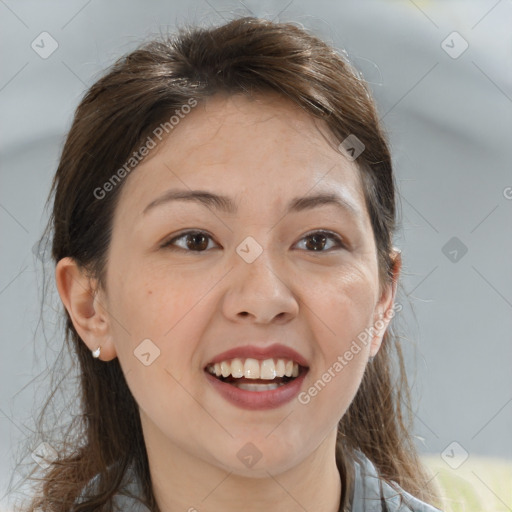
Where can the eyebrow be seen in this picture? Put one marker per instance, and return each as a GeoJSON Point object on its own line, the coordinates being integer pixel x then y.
{"type": "Point", "coordinates": [227, 205]}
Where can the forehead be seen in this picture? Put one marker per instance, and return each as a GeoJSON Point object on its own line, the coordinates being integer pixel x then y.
{"type": "Point", "coordinates": [259, 148]}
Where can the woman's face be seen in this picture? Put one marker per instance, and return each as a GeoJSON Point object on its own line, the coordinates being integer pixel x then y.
{"type": "Point", "coordinates": [258, 281]}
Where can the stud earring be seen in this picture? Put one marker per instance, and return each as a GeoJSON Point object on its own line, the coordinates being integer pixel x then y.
{"type": "Point", "coordinates": [371, 358]}
{"type": "Point", "coordinates": [96, 353]}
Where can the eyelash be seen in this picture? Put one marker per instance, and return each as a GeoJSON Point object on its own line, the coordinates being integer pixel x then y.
{"type": "Point", "coordinates": [328, 234]}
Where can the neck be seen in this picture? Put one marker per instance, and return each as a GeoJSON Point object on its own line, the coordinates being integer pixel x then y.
{"type": "Point", "coordinates": [182, 482]}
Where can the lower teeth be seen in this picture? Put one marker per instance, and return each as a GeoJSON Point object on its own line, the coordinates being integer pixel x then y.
{"type": "Point", "coordinates": [257, 387]}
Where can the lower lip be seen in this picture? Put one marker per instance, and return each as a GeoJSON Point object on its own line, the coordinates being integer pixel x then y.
{"type": "Point", "coordinates": [258, 400]}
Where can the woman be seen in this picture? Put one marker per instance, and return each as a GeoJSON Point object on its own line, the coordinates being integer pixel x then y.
{"type": "Point", "coordinates": [222, 226]}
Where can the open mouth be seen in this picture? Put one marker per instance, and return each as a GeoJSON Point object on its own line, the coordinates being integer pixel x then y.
{"type": "Point", "coordinates": [254, 375]}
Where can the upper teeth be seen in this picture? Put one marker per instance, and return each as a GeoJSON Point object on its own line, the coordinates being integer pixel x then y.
{"type": "Point", "coordinates": [254, 369]}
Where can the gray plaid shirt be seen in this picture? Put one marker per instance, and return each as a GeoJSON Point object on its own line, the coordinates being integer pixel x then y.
{"type": "Point", "coordinates": [371, 494]}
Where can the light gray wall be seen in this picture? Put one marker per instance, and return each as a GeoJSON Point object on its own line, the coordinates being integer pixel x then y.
{"type": "Point", "coordinates": [450, 124]}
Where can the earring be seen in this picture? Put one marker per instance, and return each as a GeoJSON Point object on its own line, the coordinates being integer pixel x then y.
{"type": "Point", "coordinates": [371, 358]}
{"type": "Point", "coordinates": [96, 353]}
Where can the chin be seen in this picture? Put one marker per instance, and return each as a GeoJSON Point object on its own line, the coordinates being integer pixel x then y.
{"type": "Point", "coordinates": [253, 463]}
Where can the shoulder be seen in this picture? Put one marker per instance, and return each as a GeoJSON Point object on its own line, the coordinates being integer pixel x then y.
{"type": "Point", "coordinates": [373, 494]}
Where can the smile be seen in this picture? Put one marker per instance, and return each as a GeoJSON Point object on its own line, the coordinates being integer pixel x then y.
{"type": "Point", "coordinates": [256, 381]}
{"type": "Point", "coordinates": [253, 375]}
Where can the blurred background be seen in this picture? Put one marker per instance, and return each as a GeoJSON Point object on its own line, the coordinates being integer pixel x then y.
{"type": "Point", "coordinates": [441, 73]}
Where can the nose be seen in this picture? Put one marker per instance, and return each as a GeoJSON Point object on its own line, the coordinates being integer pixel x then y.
{"type": "Point", "coordinates": [259, 292]}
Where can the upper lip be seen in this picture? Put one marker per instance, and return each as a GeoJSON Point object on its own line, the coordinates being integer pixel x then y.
{"type": "Point", "coordinates": [275, 351]}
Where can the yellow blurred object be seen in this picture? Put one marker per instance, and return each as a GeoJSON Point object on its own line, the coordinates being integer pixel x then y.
{"type": "Point", "coordinates": [480, 484]}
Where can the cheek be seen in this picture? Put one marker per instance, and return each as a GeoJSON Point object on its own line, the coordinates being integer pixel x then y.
{"type": "Point", "coordinates": [343, 308]}
{"type": "Point", "coordinates": [152, 301]}
{"type": "Point", "coordinates": [343, 304]}
{"type": "Point", "coordinates": [164, 306]}
{"type": "Point", "coordinates": [157, 354]}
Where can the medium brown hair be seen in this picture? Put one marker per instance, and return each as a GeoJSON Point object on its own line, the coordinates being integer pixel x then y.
{"type": "Point", "coordinates": [116, 116]}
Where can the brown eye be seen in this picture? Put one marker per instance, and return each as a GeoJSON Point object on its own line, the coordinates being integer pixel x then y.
{"type": "Point", "coordinates": [318, 240]}
{"type": "Point", "coordinates": [197, 241]}
{"type": "Point", "coordinates": [194, 241]}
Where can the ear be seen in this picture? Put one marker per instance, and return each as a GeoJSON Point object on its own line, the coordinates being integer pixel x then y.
{"type": "Point", "coordinates": [385, 309]}
{"type": "Point", "coordinates": [85, 303]}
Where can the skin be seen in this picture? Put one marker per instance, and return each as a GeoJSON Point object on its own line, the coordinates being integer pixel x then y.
{"type": "Point", "coordinates": [261, 152]}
